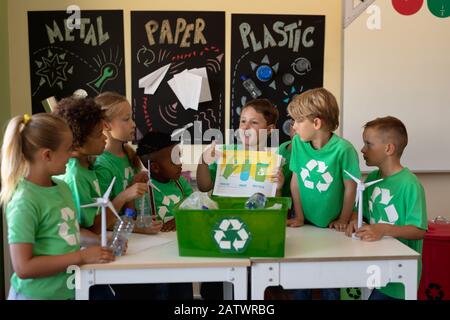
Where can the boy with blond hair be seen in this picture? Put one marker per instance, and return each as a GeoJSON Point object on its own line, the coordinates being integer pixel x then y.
{"type": "Point", "coordinates": [322, 193]}
{"type": "Point", "coordinates": [395, 206]}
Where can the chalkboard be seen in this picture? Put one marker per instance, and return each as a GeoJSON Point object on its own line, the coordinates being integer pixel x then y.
{"type": "Point", "coordinates": [65, 57]}
{"type": "Point", "coordinates": [282, 54]}
{"type": "Point", "coordinates": [186, 41]}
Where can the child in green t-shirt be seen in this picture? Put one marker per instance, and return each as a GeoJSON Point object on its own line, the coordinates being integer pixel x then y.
{"type": "Point", "coordinates": [43, 232]}
{"type": "Point", "coordinates": [257, 119]}
{"type": "Point", "coordinates": [165, 168]}
{"type": "Point", "coordinates": [395, 206]}
{"type": "Point", "coordinates": [119, 159]}
{"type": "Point", "coordinates": [322, 193]}
{"type": "Point", "coordinates": [86, 120]}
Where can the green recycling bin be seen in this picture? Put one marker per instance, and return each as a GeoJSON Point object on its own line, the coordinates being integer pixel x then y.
{"type": "Point", "coordinates": [233, 231]}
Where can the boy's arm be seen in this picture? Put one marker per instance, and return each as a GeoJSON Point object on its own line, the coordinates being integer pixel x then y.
{"type": "Point", "coordinates": [299, 219]}
{"type": "Point", "coordinates": [374, 232]}
{"type": "Point", "coordinates": [204, 181]}
{"type": "Point", "coordinates": [347, 208]}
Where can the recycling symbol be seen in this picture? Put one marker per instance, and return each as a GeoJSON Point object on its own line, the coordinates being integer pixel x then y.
{"type": "Point", "coordinates": [354, 293]}
{"type": "Point", "coordinates": [128, 172]}
{"type": "Point", "coordinates": [321, 168]}
{"type": "Point", "coordinates": [164, 209]}
{"type": "Point", "coordinates": [434, 292]}
{"type": "Point", "coordinates": [231, 235]}
{"type": "Point", "coordinates": [384, 196]}
{"type": "Point", "coordinates": [69, 229]}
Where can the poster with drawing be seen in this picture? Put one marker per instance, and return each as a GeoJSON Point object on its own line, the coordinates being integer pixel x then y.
{"type": "Point", "coordinates": [66, 55]}
{"type": "Point", "coordinates": [178, 71]}
{"type": "Point", "coordinates": [275, 57]}
{"type": "Point", "coordinates": [241, 173]}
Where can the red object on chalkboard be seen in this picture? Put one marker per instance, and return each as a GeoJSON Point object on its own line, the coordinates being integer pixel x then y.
{"type": "Point", "coordinates": [407, 7]}
{"type": "Point", "coordinates": [435, 282]}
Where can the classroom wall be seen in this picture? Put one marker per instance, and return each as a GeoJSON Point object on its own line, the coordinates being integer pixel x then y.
{"type": "Point", "coordinates": [360, 79]}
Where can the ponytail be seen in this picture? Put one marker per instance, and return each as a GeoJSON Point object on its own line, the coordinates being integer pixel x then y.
{"type": "Point", "coordinates": [23, 137]}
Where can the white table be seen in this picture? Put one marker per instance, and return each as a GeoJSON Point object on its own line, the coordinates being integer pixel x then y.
{"type": "Point", "coordinates": [161, 263]}
{"type": "Point", "coordinates": [325, 258]}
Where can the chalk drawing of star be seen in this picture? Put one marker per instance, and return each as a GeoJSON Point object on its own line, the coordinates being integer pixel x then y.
{"type": "Point", "coordinates": [53, 70]}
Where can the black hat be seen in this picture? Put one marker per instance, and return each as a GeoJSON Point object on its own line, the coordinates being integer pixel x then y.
{"type": "Point", "coordinates": [154, 141]}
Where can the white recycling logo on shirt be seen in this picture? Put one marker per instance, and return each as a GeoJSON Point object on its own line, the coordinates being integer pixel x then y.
{"type": "Point", "coordinates": [231, 235]}
{"type": "Point", "coordinates": [128, 173]}
{"type": "Point", "coordinates": [69, 234]}
{"type": "Point", "coordinates": [384, 196]}
{"type": "Point", "coordinates": [96, 186]}
{"type": "Point", "coordinates": [162, 210]}
{"type": "Point", "coordinates": [321, 168]}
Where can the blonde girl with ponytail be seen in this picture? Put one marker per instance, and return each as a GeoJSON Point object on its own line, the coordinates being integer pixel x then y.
{"type": "Point", "coordinates": [43, 232]}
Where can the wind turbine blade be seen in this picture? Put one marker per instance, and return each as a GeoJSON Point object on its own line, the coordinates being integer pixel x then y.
{"type": "Point", "coordinates": [90, 205]}
{"type": "Point", "coordinates": [106, 195]}
{"type": "Point", "coordinates": [153, 186]}
{"type": "Point", "coordinates": [353, 178]}
{"type": "Point", "coordinates": [111, 207]}
{"type": "Point", "coordinates": [178, 131]}
{"type": "Point", "coordinates": [368, 184]}
{"type": "Point", "coordinates": [357, 198]}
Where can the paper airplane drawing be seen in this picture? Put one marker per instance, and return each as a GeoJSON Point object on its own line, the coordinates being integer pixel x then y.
{"type": "Point", "coordinates": [191, 87]}
{"type": "Point", "coordinates": [151, 82]}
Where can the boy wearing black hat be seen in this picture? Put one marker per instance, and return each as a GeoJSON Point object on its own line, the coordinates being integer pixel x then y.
{"type": "Point", "coordinates": [165, 169]}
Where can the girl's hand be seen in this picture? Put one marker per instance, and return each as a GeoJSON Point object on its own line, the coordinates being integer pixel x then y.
{"type": "Point", "coordinates": [154, 228]}
{"type": "Point", "coordinates": [142, 176]}
{"type": "Point", "coordinates": [96, 255]}
{"type": "Point", "coordinates": [135, 191]}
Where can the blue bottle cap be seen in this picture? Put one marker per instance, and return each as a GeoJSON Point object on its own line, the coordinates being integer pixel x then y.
{"type": "Point", "coordinates": [264, 73]}
{"type": "Point", "coordinates": [130, 212]}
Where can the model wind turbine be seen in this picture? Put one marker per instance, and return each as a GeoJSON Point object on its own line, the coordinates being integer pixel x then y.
{"type": "Point", "coordinates": [150, 184]}
{"type": "Point", "coordinates": [104, 203]}
{"type": "Point", "coordinates": [181, 131]}
{"type": "Point", "coordinates": [361, 186]}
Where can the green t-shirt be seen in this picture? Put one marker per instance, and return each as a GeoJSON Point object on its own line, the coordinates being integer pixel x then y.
{"type": "Point", "coordinates": [170, 195]}
{"type": "Point", "coordinates": [399, 200]}
{"type": "Point", "coordinates": [44, 217]}
{"type": "Point", "coordinates": [321, 177]}
{"type": "Point", "coordinates": [85, 188]}
{"type": "Point", "coordinates": [287, 173]}
{"type": "Point", "coordinates": [107, 166]}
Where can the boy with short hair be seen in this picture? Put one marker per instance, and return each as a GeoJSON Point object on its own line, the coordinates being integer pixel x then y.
{"type": "Point", "coordinates": [395, 206]}
{"type": "Point", "coordinates": [321, 192]}
{"type": "Point", "coordinates": [165, 169]}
